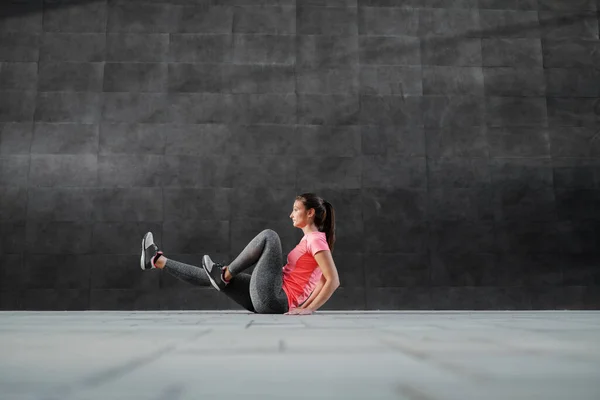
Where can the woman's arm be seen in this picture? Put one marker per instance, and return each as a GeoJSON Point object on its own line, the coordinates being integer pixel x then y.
{"type": "Point", "coordinates": [314, 293]}
{"type": "Point", "coordinates": [332, 280]}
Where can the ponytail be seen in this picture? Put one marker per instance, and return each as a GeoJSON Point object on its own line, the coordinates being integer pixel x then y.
{"type": "Point", "coordinates": [329, 224]}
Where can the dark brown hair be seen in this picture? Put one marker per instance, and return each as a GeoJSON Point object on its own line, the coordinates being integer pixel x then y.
{"type": "Point", "coordinates": [324, 215]}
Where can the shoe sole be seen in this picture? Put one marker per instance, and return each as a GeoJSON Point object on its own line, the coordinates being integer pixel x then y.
{"type": "Point", "coordinates": [144, 240]}
{"type": "Point", "coordinates": [204, 260]}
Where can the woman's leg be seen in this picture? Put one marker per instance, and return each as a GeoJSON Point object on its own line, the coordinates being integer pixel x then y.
{"type": "Point", "coordinates": [237, 290]}
{"type": "Point", "coordinates": [266, 290]}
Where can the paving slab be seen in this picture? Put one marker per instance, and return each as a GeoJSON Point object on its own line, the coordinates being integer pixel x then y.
{"type": "Point", "coordinates": [329, 355]}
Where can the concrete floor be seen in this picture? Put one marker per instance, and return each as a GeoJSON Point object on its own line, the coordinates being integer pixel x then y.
{"type": "Point", "coordinates": [221, 355]}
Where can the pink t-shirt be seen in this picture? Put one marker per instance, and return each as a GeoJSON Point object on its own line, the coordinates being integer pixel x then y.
{"type": "Point", "coordinates": [302, 273]}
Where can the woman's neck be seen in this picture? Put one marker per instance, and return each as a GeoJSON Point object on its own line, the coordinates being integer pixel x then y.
{"type": "Point", "coordinates": [310, 228]}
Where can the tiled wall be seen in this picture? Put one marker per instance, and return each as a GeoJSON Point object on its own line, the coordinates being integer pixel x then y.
{"type": "Point", "coordinates": [457, 139]}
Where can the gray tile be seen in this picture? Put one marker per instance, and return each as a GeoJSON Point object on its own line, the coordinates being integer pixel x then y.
{"type": "Point", "coordinates": [459, 204]}
{"type": "Point", "coordinates": [49, 237]}
{"type": "Point", "coordinates": [571, 53]}
{"type": "Point", "coordinates": [453, 81]}
{"type": "Point", "coordinates": [453, 111]}
{"type": "Point", "coordinates": [511, 52]}
{"type": "Point", "coordinates": [349, 233]}
{"type": "Point", "coordinates": [196, 204]}
{"type": "Point", "coordinates": [503, 81]}
{"type": "Point", "coordinates": [135, 47]}
{"type": "Point", "coordinates": [576, 173]}
{"type": "Point", "coordinates": [140, 18]}
{"type": "Point", "coordinates": [199, 18]}
{"type": "Point", "coordinates": [346, 299]}
{"type": "Point", "coordinates": [203, 139]}
{"type": "Point", "coordinates": [116, 299]}
{"type": "Point", "coordinates": [390, 80]}
{"type": "Point", "coordinates": [461, 236]}
{"type": "Point", "coordinates": [60, 204]}
{"type": "Point", "coordinates": [131, 138]}
{"type": "Point", "coordinates": [401, 111]}
{"type": "Point", "coordinates": [558, 25]}
{"type": "Point", "coordinates": [527, 237]}
{"type": "Point", "coordinates": [580, 270]}
{"type": "Point", "coordinates": [64, 138]}
{"type": "Point", "coordinates": [321, 51]}
{"type": "Point", "coordinates": [120, 272]}
{"type": "Point", "coordinates": [392, 140]}
{"type": "Point", "coordinates": [200, 108]}
{"type": "Point", "coordinates": [324, 140]}
{"type": "Point", "coordinates": [71, 77]}
{"type": "Point", "coordinates": [452, 142]}
{"type": "Point", "coordinates": [190, 171]}
{"type": "Point", "coordinates": [131, 170]}
{"type": "Point", "coordinates": [135, 77]}
{"type": "Point", "coordinates": [12, 237]}
{"type": "Point", "coordinates": [350, 267]}
{"type": "Point", "coordinates": [191, 299]}
{"type": "Point", "coordinates": [558, 5]}
{"type": "Point", "coordinates": [14, 170]}
{"type": "Point", "coordinates": [388, 21]}
{"type": "Point", "coordinates": [322, 109]}
{"type": "Point", "coordinates": [578, 237]}
{"type": "Point", "coordinates": [128, 205]}
{"type": "Point", "coordinates": [64, 170]}
{"type": "Point", "coordinates": [518, 142]}
{"type": "Point", "coordinates": [81, 47]}
{"type": "Point", "coordinates": [15, 137]}
{"type": "Point", "coordinates": [269, 108]}
{"type": "Point", "coordinates": [476, 269]}
{"type": "Point", "coordinates": [572, 82]}
{"type": "Point", "coordinates": [73, 17]}
{"type": "Point", "coordinates": [17, 106]}
{"type": "Point", "coordinates": [137, 107]}
{"type": "Point", "coordinates": [401, 205]}
{"type": "Point", "coordinates": [574, 141]}
{"type": "Point", "coordinates": [263, 49]}
{"type": "Point", "coordinates": [382, 235]}
{"type": "Point", "coordinates": [13, 203]}
{"type": "Point", "coordinates": [517, 111]}
{"type": "Point", "coordinates": [524, 204]}
{"type": "Point", "coordinates": [512, 24]}
{"type": "Point", "coordinates": [51, 299]}
{"type": "Point", "coordinates": [57, 271]}
{"type": "Point", "coordinates": [81, 107]}
{"type": "Point", "coordinates": [458, 52]}
{"type": "Point", "coordinates": [18, 76]}
{"type": "Point", "coordinates": [200, 48]}
{"type": "Point", "coordinates": [515, 174]}
{"type": "Point", "coordinates": [573, 111]}
{"type": "Point", "coordinates": [414, 298]}
{"type": "Point", "coordinates": [196, 236]}
{"type": "Point", "coordinates": [21, 16]}
{"type": "Point", "coordinates": [274, 140]}
{"type": "Point", "coordinates": [393, 172]}
{"type": "Point", "coordinates": [389, 50]}
{"type": "Point", "coordinates": [19, 47]}
{"type": "Point", "coordinates": [327, 3]}
{"type": "Point", "coordinates": [480, 298]}
{"type": "Point", "coordinates": [577, 204]}
{"type": "Point", "coordinates": [259, 78]}
{"type": "Point", "coordinates": [451, 23]}
{"type": "Point", "coordinates": [327, 81]}
{"type": "Point", "coordinates": [122, 237]}
{"type": "Point", "coordinates": [194, 78]}
{"type": "Point", "coordinates": [508, 4]}
{"type": "Point", "coordinates": [326, 21]}
{"type": "Point", "coordinates": [329, 172]}
{"type": "Point", "coordinates": [264, 19]}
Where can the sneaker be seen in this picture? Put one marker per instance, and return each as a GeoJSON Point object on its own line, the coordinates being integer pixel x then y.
{"type": "Point", "coordinates": [215, 273]}
{"type": "Point", "coordinates": [150, 252]}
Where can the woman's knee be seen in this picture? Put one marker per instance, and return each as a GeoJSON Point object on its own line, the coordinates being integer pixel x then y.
{"type": "Point", "coordinates": [270, 234]}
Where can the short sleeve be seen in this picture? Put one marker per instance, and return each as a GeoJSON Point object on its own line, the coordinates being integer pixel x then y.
{"type": "Point", "coordinates": [317, 243]}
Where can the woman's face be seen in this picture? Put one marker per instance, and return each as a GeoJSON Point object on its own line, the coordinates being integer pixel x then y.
{"type": "Point", "coordinates": [300, 217]}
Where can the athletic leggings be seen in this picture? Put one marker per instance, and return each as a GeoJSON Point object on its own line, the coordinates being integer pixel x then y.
{"type": "Point", "coordinates": [260, 292]}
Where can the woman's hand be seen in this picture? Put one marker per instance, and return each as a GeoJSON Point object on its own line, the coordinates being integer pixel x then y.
{"type": "Point", "coordinates": [299, 311]}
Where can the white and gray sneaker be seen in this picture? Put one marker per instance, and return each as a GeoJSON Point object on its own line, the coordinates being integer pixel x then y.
{"type": "Point", "coordinates": [215, 273]}
{"type": "Point", "coordinates": [150, 252]}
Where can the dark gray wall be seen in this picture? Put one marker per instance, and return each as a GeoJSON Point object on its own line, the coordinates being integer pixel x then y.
{"type": "Point", "coordinates": [458, 140]}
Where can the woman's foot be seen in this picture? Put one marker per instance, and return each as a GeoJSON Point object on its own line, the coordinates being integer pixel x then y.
{"type": "Point", "coordinates": [150, 252]}
{"type": "Point", "coordinates": [214, 272]}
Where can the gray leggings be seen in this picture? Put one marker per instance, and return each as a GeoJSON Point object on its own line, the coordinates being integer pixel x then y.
{"type": "Point", "coordinates": [260, 292]}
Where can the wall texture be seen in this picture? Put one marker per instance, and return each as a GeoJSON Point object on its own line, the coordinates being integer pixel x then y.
{"type": "Point", "coordinates": [458, 140]}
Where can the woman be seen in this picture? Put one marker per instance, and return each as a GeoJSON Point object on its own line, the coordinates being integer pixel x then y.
{"type": "Point", "coordinates": [301, 287]}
